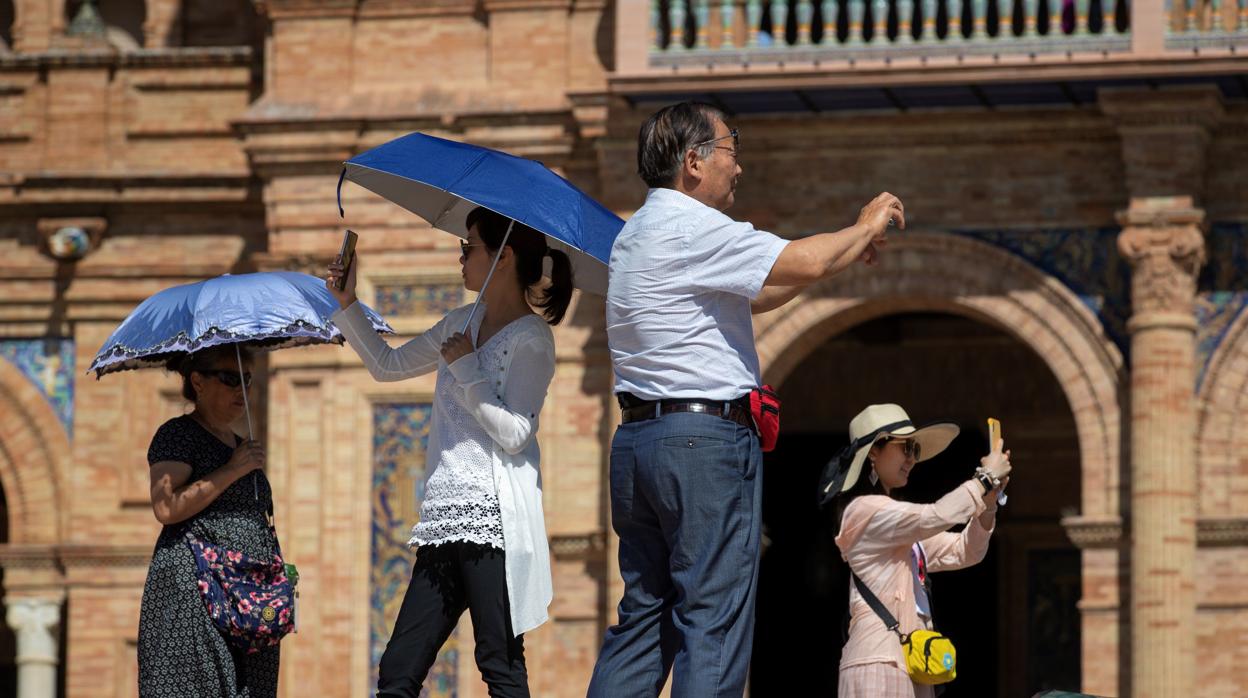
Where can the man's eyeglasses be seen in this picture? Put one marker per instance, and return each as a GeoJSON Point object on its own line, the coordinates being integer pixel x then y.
{"type": "Point", "coordinates": [229, 378]}
{"type": "Point", "coordinates": [909, 447]}
{"type": "Point", "coordinates": [736, 142]}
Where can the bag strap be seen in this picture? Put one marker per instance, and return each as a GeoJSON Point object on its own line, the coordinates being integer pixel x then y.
{"type": "Point", "coordinates": [889, 621]}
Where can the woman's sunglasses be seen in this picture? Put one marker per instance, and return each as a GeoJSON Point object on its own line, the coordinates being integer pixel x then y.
{"type": "Point", "coordinates": [909, 447]}
{"type": "Point", "coordinates": [229, 378]}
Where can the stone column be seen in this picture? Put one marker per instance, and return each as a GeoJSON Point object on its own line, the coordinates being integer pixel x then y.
{"type": "Point", "coordinates": [36, 621]}
{"type": "Point", "coordinates": [1163, 241]}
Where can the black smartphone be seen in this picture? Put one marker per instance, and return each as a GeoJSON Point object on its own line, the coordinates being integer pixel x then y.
{"type": "Point", "coordinates": [346, 255]}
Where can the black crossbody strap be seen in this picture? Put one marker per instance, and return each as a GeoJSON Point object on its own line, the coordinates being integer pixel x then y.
{"type": "Point", "coordinates": [889, 621]}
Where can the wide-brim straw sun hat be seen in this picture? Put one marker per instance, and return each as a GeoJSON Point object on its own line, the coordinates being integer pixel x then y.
{"type": "Point", "coordinates": [872, 424]}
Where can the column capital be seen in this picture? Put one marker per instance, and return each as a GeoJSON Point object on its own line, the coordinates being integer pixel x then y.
{"type": "Point", "coordinates": [1163, 240]}
{"type": "Point", "coordinates": [35, 621]}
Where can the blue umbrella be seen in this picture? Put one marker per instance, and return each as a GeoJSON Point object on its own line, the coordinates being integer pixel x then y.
{"type": "Point", "coordinates": [266, 310]}
{"type": "Point", "coordinates": [442, 181]}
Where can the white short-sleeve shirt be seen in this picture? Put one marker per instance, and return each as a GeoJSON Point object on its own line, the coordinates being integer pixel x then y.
{"type": "Point", "coordinates": [680, 281]}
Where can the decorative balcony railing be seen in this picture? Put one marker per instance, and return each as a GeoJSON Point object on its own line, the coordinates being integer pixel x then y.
{"type": "Point", "coordinates": [741, 32]}
{"type": "Point", "coordinates": [1206, 23]}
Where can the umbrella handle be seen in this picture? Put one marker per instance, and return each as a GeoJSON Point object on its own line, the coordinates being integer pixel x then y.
{"type": "Point", "coordinates": [488, 276]}
{"type": "Point", "coordinates": [341, 213]}
{"type": "Point", "coordinates": [255, 482]}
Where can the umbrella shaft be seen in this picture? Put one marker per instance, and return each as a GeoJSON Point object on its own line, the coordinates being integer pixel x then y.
{"type": "Point", "coordinates": [238, 353]}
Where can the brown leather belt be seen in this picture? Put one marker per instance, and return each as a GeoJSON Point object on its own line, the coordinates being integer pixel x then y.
{"type": "Point", "coordinates": [635, 410]}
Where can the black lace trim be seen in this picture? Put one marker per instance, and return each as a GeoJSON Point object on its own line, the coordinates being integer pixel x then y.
{"type": "Point", "coordinates": [298, 333]}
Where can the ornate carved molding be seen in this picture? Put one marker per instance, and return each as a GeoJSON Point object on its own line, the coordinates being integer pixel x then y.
{"type": "Point", "coordinates": [190, 57]}
{"type": "Point", "coordinates": [1088, 534]}
{"type": "Point", "coordinates": [28, 557]}
{"type": "Point", "coordinates": [61, 557]}
{"type": "Point", "coordinates": [578, 546]}
{"type": "Point", "coordinates": [1163, 241]}
{"type": "Point", "coordinates": [77, 556]}
{"type": "Point", "coordinates": [1218, 532]}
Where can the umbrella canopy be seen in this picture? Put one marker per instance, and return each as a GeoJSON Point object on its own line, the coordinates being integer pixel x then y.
{"type": "Point", "coordinates": [264, 310]}
{"type": "Point", "coordinates": [442, 181]}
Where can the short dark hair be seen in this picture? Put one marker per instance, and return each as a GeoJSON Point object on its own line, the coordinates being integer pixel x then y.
{"type": "Point", "coordinates": [201, 361]}
{"type": "Point", "coordinates": [668, 134]}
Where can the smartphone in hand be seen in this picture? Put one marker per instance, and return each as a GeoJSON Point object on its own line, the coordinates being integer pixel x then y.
{"type": "Point", "coordinates": [346, 255]}
{"type": "Point", "coordinates": [994, 443]}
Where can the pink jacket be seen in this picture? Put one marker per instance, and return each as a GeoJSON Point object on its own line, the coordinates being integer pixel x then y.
{"type": "Point", "coordinates": [877, 533]}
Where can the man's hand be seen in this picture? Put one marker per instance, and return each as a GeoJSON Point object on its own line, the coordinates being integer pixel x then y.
{"type": "Point", "coordinates": [883, 211]}
{"type": "Point", "coordinates": [811, 259]}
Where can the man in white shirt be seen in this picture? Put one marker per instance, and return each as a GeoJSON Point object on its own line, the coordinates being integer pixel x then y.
{"type": "Point", "coordinates": [686, 483]}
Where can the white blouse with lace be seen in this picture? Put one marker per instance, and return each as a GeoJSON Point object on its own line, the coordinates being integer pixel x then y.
{"type": "Point", "coordinates": [484, 483]}
{"type": "Point", "coordinates": [460, 502]}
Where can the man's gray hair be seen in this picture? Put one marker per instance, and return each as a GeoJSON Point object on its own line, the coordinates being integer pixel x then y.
{"type": "Point", "coordinates": [670, 133]}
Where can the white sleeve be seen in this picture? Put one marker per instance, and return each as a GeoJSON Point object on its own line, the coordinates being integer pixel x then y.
{"type": "Point", "coordinates": [511, 418]}
{"type": "Point", "coordinates": [385, 363]}
{"type": "Point", "coordinates": [730, 256]}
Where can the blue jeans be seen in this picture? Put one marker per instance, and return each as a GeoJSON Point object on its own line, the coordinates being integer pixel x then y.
{"type": "Point", "coordinates": [686, 495]}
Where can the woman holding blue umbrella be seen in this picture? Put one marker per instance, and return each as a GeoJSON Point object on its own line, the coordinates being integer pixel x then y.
{"type": "Point", "coordinates": [481, 534]}
{"type": "Point", "coordinates": [218, 596]}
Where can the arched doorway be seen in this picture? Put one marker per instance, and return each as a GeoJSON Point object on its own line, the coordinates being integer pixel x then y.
{"type": "Point", "coordinates": [984, 285]}
{"type": "Point", "coordinates": [1013, 617]}
{"type": "Point", "coordinates": [34, 452]}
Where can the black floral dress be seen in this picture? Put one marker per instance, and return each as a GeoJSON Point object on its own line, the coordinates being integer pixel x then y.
{"type": "Point", "coordinates": [181, 653]}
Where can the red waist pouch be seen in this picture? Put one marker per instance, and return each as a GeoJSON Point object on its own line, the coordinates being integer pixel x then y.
{"type": "Point", "coordinates": [765, 408]}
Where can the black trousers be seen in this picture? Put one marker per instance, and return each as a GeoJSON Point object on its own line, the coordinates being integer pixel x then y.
{"type": "Point", "coordinates": [446, 579]}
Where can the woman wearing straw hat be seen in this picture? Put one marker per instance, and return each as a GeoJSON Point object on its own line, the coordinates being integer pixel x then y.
{"type": "Point", "coordinates": [890, 545]}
